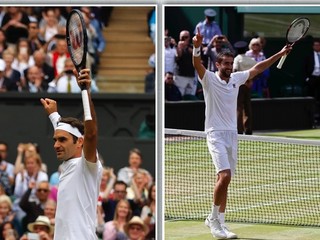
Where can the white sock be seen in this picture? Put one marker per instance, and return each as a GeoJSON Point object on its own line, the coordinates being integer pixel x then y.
{"type": "Point", "coordinates": [215, 211]}
{"type": "Point", "coordinates": [221, 217]}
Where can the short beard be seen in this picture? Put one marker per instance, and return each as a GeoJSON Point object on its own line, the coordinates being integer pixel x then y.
{"type": "Point", "coordinates": [225, 74]}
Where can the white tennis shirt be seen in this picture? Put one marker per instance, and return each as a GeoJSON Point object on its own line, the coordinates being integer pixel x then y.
{"type": "Point", "coordinates": [221, 100]}
{"type": "Point", "coordinates": [78, 192]}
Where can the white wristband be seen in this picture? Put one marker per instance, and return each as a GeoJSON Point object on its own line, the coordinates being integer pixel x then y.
{"type": "Point", "coordinates": [54, 118]}
{"type": "Point", "coordinates": [196, 52]}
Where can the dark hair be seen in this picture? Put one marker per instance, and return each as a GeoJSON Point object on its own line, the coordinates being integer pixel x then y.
{"type": "Point", "coordinates": [170, 73]}
{"type": "Point", "coordinates": [5, 143]}
{"type": "Point", "coordinates": [74, 122]}
{"type": "Point", "coordinates": [223, 54]}
{"type": "Point", "coordinates": [120, 182]}
{"type": "Point", "coordinates": [136, 151]}
{"type": "Point", "coordinates": [150, 194]}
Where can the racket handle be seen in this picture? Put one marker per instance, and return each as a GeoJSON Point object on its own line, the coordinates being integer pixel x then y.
{"type": "Point", "coordinates": [283, 58]}
{"type": "Point", "coordinates": [86, 105]}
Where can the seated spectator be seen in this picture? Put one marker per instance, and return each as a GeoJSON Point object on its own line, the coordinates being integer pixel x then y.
{"type": "Point", "coordinates": [148, 213]}
{"type": "Point", "coordinates": [92, 51]}
{"type": "Point", "coordinates": [39, 57]}
{"type": "Point", "coordinates": [25, 150]}
{"type": "Point", "coordinates": [4, 164]}
{"type": "Point", "coordinates": [7, 214]}
{"type": "Point", "coordinates": [13, 75]}
{"type": "Point", "coordinates": [49, 24]}
{"type": "Point", "coordinates": [15, 24]}
{"type": "Point", "coordinates": [30, 173]}
{"type": "Point", "coordinates": [114, 229]}
{"type": "Point", "coordinates": [36, 81]}
{"type": "Point", "coordinates": [107, 181]}
{"type": "Point", "coordinates": [42, 227]}
{"type": "Point", "coordinates": [65, 82]}
{"type": "Point", "coordinates": [99, 42]}
{"type": "Point", "coordinates": [172, 92]}
{"type": "Point", "coordinates": [34, 37]}
{"type": "Point", "coordinates": [57, 57]}
{"type": "Point", "coordinates": [136, 229]}
{"type": "Point", "coordinates": [135, 160]}
{"type": "Point", "coordinates": [34, 206]}
{"type": "Point", "coordinates": [119, 193]}
{"type": "Point", "coordinates": [24, 58]}
{"type": "Point", "coordinates": [50, 208]}
{"type": "Point", "coordinates": [138, 191]}
{"type": "Point", "coordinates": [5, 83]}
{"type": "Point", "coordinates": [8, 232]}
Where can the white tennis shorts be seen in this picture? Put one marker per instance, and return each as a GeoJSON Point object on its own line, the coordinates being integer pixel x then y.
{"type": "Point", "coordinates": [223, 147]}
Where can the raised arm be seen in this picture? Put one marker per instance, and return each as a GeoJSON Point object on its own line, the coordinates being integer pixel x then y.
{"type": "Point", "coordinates": [263, 65]}
{"type": "Point", "coordinates": [90, 126]}
{"type": "Point", "coordinates": [50, 106]}
{"type": "Point", "coordinates": [196, 56]}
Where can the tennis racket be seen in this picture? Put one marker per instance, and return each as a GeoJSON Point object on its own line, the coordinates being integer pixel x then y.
{"type": "Point", "coordinates": [297, 29]}
{"type": "Point", "coordinates": [77, 41]}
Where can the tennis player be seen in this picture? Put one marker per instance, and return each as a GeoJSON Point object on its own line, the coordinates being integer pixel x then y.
{"type": "Point", "coordinates": [220, 94]}
{"type": "Point", "coordinates": [75, 144]}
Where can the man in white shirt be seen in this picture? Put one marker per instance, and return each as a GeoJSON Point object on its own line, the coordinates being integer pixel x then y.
{"type": "Point", "coordinates": [75, 144]}
{"type": "Point", "coordinates": [220, 94]}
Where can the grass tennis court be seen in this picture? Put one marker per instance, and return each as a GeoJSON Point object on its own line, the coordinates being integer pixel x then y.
{"type": "Point", "coordinates": [196, 230]}
{"type": "Point", "coordinates": [273, 184]}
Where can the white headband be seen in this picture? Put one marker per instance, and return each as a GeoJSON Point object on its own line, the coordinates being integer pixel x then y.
{"type": "Point", "coordinates": [68, 128]}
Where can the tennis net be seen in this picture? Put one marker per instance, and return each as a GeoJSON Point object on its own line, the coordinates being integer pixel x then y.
{"type": "Point", "coordinates": [277, 180]}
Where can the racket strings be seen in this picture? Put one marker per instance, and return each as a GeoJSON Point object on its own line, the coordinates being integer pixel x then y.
{"type": "Point", "coordinates": [76, 34]}
{"type": "Point", "coordinates": [297, 30]}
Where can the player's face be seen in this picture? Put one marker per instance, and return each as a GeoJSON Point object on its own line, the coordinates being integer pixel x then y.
{"type": "Point", "coordinates": [225, 67]}
{"type": "Point", "coordinates": [64, 145]}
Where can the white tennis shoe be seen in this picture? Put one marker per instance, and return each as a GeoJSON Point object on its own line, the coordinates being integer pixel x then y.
{"type": "Point", "coordinates": [230, 235]}
{"type": "Point", "coordinates": [216, 228]}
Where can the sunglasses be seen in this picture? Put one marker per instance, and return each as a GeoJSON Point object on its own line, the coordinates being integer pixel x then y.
{"type": "Point", "coordinates": [184, 37]}
{"type": "Point", "coordinates": [138, 228]}
{"type": "Point", "coordinates": [42, 190]}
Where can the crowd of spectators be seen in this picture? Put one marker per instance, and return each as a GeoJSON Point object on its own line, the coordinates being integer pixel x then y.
{"type": "Point", "coordinates": [179, 73]}
{"type": "Point", "coordinates": [33, 48]}
{"type": "Point", "coordinates": [28, 196]}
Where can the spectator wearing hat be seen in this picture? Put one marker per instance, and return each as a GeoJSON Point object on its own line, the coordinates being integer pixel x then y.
{"type": "Point", "coordinates": [136, 229]}
{"type": "Point", "coordinates": [244, 109]}
{"type": "Point", "coordinates": [208, 28]}
{"type": "Point", "coordinates": [5, 83]}
{"type": "Point", "coordinates": [41, 227]}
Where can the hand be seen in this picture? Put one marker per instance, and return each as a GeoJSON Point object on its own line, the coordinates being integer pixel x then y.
{"type": "Point", "coordinates": [197, 39]}
{"type": "Point", "coordinates": [49, 105]}
{"type": "Point", "coordinates": [286, 50]}
{"type": "Point", "coordinates": [83, 78]}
